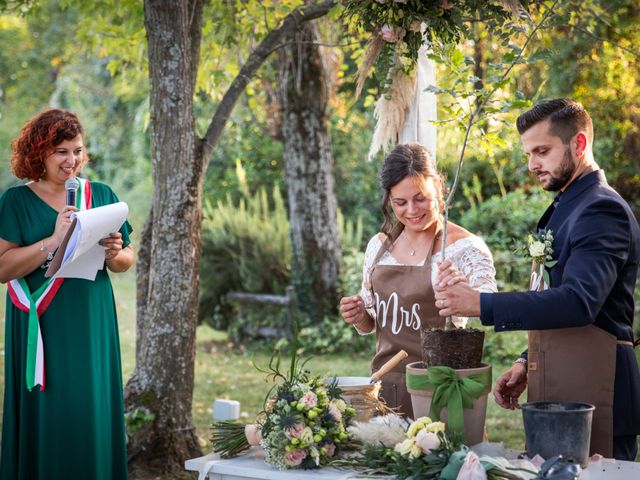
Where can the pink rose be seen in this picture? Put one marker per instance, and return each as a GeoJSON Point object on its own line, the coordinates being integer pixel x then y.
{"type": "Point", "coordinates": [389, 34]}
{"type": "Point", "coordinates": [427, 441]}
{"type": "Point", "coordinates": [294, 458]}
{"type": "Point", "coordinates": [329, 449]}
{"type": "Point", "coordinates": [253, 434]}
{"type": "Point", "coordinates": [295, 431]}
{"type": "Point", "coordinates": [381, 1]}
{"type": "Point", "coordinates": [309, 399]}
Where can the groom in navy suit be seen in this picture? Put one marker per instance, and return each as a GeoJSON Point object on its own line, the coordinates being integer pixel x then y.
{"type": "Point", "coordinates": [580, 327]}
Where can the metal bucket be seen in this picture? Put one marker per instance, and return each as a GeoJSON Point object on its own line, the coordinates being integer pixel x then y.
{"type": "Point", "coordinates": [558, 428]}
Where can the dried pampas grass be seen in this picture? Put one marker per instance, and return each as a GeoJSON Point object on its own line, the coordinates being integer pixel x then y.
{"type": "Point", "coordinates": [391, 110]}
{"type": "Point", "coordinates": [387, 430]}
{"type": "Point", "coordinates": [374, 47]}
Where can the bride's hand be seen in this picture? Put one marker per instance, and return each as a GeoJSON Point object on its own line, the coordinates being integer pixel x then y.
{"type": "Point", "coordinates": [352, 309]}
{"type": "Point", "coordinates": [449, 275]}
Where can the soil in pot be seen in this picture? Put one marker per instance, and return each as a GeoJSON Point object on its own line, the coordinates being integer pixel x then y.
{"type": "Point", "coordinates": [457, 348]}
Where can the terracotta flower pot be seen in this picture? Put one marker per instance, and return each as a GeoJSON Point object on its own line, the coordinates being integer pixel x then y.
{"type": "Point", "coordinates": [474, 417]}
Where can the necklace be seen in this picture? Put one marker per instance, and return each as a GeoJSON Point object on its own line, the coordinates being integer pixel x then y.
{"type": "Point", "coordinates": [412, 250]}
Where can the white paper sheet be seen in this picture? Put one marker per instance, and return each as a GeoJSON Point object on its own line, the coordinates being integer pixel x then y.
{"type": "Point", "coordinates": [81, 256]}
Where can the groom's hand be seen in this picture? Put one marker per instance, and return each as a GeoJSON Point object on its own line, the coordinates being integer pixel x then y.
{"type": "Point", "coordinates": [510, 386]}
{"type": "Point", "coordinates": [459, 300]}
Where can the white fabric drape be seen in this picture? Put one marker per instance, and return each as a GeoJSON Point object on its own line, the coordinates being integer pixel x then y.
{"type": "Point", "coordinates": [418, 126]}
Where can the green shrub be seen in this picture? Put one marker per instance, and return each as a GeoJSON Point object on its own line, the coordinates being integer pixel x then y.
{"type": "Point", "coordinates": [333, 335]}
{"type": "Point", "coordinates": [245, 247]}
{"type": "Point", "coordinates": [504, 222]}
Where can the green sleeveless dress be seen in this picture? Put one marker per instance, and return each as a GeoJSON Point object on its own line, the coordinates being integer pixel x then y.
{"type": "Point", "coordinates": [74, 429]}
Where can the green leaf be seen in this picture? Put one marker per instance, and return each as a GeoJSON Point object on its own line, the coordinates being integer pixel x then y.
{"type": "Point", "coordinates": [457, 58]}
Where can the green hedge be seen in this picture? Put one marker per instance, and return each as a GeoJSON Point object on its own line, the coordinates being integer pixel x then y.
{"type": "Point", "coordinates": [504, 222]}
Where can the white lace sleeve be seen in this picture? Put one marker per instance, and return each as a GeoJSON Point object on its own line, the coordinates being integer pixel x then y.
{"type": "Point", "coordinates": [476, 262]}
{"type": "Point", "coordinates": [472, 257]}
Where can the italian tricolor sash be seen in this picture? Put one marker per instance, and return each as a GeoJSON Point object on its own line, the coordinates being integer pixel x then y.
{"type": "Point", "coordinates": [37, 302]}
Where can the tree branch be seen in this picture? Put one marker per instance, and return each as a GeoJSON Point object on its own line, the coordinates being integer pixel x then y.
{"type": "Point", "coordinates": [255, 60]}
{"type": "Point", "coordinates": [320, 44]}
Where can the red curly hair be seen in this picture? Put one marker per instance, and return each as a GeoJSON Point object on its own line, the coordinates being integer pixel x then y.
{"type": "Point", "coordinates": [38, 139]}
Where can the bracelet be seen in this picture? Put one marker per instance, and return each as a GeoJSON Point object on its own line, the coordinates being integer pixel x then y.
{"type": "Point", "coordinates": [42, 249]}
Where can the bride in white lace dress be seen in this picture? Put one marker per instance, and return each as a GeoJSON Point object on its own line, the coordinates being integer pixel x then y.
{"type": "Point", "coordinates": [401, 266]}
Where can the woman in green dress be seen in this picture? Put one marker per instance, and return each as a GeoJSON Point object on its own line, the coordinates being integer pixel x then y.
{"type": "Point", "coordinates": [63, 412]}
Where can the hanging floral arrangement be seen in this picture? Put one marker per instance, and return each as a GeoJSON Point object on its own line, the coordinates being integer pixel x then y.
{"type": "Point", "coordinates": [397, 29]}
{"type": "Point", "coordinates": [400, 33]}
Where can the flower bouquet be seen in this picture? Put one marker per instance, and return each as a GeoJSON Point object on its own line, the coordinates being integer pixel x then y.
{"type": "Point", "coordinates": [423, 450]}
{"type": "Point", "coordinates": [303, 424]}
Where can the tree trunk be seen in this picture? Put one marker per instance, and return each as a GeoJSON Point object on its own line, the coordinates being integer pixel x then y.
{"type": "Point", "coordinates": [169, 257]}
{"type": "Point", "coordinates": [168, 273]}
{"type": "Point", "coordinates": [308, 163]}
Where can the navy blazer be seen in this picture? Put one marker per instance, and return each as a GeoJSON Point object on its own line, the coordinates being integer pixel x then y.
{"type": "Point", "coordinates": [597, 245]}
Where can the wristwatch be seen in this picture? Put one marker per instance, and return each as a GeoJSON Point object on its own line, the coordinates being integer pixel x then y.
{"type": "Point", "coordinates": [521, 360]}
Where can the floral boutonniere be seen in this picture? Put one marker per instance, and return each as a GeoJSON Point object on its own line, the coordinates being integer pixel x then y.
{"type": "Point", "coordinates": [539, 248]}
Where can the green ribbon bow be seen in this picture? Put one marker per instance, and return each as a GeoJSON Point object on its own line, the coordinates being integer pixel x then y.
{"type": "Point", "coordinates": [451, 391]}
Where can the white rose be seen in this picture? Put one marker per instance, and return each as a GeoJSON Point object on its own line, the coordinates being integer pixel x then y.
{"type": "Point", "coordinates": [536, 249]}
{"type": "Point", "coordinates": [427, 441]}
{"type": "Point", "coordinates": [306, 436]}
{"type": "Point", "coordinates": [340, 404]}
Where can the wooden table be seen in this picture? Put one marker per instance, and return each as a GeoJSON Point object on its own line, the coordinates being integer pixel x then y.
{"type": "Point", "coordinates": [248, 466]}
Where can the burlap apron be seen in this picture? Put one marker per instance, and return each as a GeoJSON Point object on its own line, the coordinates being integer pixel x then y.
{"type": "Point", "coordinates": [404, 302]}
{"type": "Point", "coordinates": [576, 365]}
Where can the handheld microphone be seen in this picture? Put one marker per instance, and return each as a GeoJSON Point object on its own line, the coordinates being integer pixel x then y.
{"type": "Point", "coordinates": [71, 186]}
